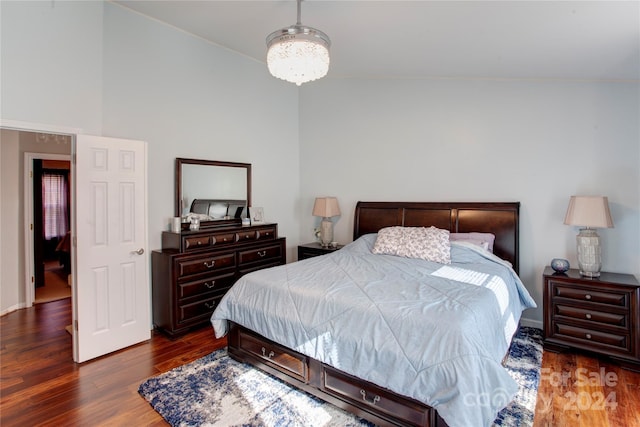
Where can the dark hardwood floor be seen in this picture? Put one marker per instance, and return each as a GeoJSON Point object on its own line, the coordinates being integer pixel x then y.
{"type": "Point", "coordinates": [40, 384]}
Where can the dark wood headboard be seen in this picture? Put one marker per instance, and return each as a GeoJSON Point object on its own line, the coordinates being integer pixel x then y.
{"type": "Point", "coordinates": [501, 219]}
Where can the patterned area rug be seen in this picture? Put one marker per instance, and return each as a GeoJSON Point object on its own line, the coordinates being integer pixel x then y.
{"type": "Point", "coordinates": [218, 391]}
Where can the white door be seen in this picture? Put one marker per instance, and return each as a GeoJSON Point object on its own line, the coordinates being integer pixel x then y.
{"type": "Point", "coordinates": [111, 284]}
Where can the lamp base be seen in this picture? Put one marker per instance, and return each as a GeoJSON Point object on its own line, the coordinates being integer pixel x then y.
{"type": "Point", "coordinates": [326, 232]}
{"type": "Point", "coordinates": [589, 252]}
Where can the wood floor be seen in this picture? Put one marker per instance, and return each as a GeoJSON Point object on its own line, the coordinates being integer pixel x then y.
{"type": "Point", "coordinates": [56, 284]}
{"type": "Point", "coordinates": [40, 385]}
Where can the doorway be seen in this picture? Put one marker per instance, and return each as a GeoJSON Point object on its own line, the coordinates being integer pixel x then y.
{"type": "Point", "coordinates": [51, 225]}
{"type": "Point", "coordinates": [107, 259]}
{"type": "Point", "coordinates": [44, 251]}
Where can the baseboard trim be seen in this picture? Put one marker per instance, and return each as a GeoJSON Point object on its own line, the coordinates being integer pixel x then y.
{"type": "Point", "coordinates": [13, 308]}
{"type": "Point", "coordinates": [531, 323]}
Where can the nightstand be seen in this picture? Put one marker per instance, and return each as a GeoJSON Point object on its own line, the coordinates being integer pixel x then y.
{"type": "Point", "coordinates": [309, 250]}
{"type": "Point", "coordinates": [599, 315]}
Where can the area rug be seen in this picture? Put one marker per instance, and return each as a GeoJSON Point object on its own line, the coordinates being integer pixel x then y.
{"type": "Point", "coordinates": [218, 391]}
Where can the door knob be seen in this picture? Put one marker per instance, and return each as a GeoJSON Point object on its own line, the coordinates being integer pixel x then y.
{"type": "Point", "coordinates": [139, 251]}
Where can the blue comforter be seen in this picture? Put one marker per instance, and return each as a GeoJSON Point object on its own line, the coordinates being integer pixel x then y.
{"type": "Point", "coordinates": [433, 332]}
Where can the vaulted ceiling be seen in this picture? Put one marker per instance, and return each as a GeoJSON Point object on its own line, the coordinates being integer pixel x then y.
{"type": "Point", "coordinates": [597, 40]}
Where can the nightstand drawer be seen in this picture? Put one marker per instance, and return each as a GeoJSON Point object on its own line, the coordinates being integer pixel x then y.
{"type": "Point", "coordinates": [618, 299]}
{"type": "Point", "coordinates": [599, 315]}
{"type": "Point", "coordinates": [591, 339]}
{"type": "Point", "coordinates": [613, 319]}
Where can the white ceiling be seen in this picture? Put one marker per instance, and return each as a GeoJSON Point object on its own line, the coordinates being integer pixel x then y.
{"type": "Point", "coordinates": [413, 39]}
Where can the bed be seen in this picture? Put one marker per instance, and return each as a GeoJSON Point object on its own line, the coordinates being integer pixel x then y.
{"type": "Point", "coordinates": [396, 340]}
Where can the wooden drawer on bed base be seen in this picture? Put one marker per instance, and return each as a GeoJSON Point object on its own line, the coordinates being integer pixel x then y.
{"type": "Point", "coordinates": [330, 384]}
{"type": "Point", "coordinates": [279, 357]}
{"type": "Point", "coordinates": [373, 398]}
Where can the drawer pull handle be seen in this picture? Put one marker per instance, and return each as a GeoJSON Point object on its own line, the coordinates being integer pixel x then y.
{"type": "Point", "coordinates": [587, 296]}
{"type": "Point", "coordinates": [268, 356]}
{"type": "Point", "coordinates": [209, 264]}
{"type": "Point", "coordinates": [588, 316]}
{"type": "Point", "coordinates": [262, 253]}
{"type": "Point", "coordinates": [588, 336]}
{"type": "Point", "coordinates": [210, 285]}
{"type": "Point", "coordinates": [373, 401]}
{"type": "Point", "coordinates": [199, 242]}
{"type": "Point", "coordinates": [210, 305]}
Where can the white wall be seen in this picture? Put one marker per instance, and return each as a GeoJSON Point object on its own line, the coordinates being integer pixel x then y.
{"type": "Point", "coordinates": [52, 63]}
{"type": "Point", "coordinates": [480, 140]}
{"type": "Point", "coordinates": [189, 98]}
{"type": "Point", "coordinates": [108, 71]}
{"type": "Point", "coordinates": [9, 214]}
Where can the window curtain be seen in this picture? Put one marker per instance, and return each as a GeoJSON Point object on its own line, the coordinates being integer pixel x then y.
{"type": "Point", "coordinates": [54, 204]}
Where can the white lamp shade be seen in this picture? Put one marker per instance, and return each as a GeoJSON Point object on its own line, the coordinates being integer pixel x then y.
{"type": "Point", "coordinates": [326, 207]}
{"type": "Point", "coordinates": [589, 211]}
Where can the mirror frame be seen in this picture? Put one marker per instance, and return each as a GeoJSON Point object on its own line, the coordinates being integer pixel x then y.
{"type": "Point", "coordinates": [178, 181]}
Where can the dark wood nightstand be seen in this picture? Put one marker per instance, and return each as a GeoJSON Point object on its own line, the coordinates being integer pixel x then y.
{"type": "Point", "coordinates": [600, 315]}
{"type": "Point", "coordinates": [309, 250]}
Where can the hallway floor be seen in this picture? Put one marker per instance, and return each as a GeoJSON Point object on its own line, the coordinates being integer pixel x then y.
{"type": "Point", "coordinates": [56, 284]}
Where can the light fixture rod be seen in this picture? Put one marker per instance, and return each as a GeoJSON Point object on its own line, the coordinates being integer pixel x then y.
{"type": "Point", "coordinates": [299, 13]}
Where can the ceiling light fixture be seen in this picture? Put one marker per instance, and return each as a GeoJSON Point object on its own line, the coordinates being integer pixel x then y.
{"type": "Point", "coordinates": [298, 54]}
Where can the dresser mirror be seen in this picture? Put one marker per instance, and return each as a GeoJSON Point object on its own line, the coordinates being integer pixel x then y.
{"type": "Point", "coordinates": [218, 191]}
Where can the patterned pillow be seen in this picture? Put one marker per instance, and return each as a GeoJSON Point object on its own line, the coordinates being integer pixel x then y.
{"type": "Point", "coordinates": [431, 244]}
{"type": "Point", "coordinates": [389, 241]}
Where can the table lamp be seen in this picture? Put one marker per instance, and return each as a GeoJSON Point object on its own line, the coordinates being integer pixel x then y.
{"type": "Point", "coordinates": [326, 207]}
{"type": "Point", "coordinates": [589, 212]}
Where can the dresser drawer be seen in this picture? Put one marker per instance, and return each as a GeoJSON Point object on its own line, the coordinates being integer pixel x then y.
{"type": "Point", "coordinates": [590, 339]}
{"type": "Point", "coordinates": [374, 398]}
{"type": "Point", "coordinates": [198, 242]}
{"type": "Point", "coordinates": [618, 299]}
{"type": "Point", "coordinates": [589, 315]}
{"type": "Point", "coordinates": [204, 286]}
{"type": "Point", "coordinates": [267, 233]}
{"type": "Point", "coordinates": [221, 239]}
{"type": "Point", "coordinates": [198, 310]}
{"type": "Point", "coordinates": [205, 264]}
{"type": "Point", "coordinates": [262, 255]}
{"type": "Point", "coordinates": [283, 359]}
{"type": "Point", "coordinates": [246, 235]}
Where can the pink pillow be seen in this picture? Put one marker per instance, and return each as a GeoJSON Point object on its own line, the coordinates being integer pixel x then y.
{"type": "Point", "coordinates": [484, 240]}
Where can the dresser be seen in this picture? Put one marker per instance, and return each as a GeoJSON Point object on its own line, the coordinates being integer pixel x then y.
{"type": "Point", "coordinates": [601, 315]}
{"type": "Point", "coordinates": [194, 269]}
